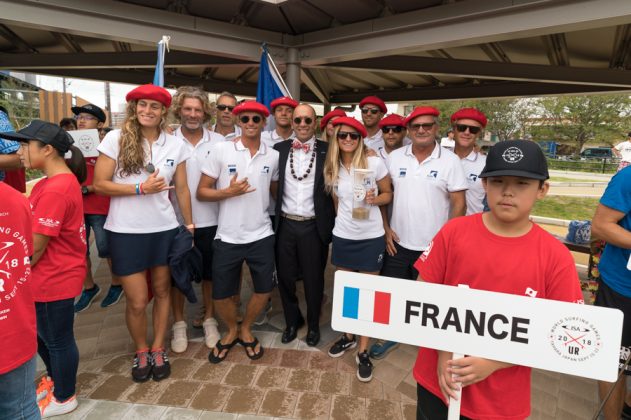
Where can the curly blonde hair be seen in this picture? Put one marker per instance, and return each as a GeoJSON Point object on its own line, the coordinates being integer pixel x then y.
{"type": "Point", "coordinates": [332, 162]}
{"type": "Point", "coordinates": [131, 155]}
{"type": "Point", "coordinates": [184, 92]}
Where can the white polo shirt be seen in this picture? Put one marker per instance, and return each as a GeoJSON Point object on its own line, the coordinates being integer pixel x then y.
{"type": "Point", "coordinates": [375, 140]}
{"type": "Point", "coordinates": [472, 166]}
{"type": "Point", "coordinates": [231, 136]}
{"type": "Point", "coordinates": [243, 219]}
{"type": "Point", "coordinates": [625, 150]}
{"type": "Point", "coordinates": [345, 226]}
{"type": "Point", "coordinates": [144, 213]}
{"type": "Point", "coordinates": [297, 196]}
{"type": "Point", "coordinates": [421, 193]}
{"type": "Point", "coordinates": [270, 138]}
{"type": "Point", "coordinates": [204, 212]}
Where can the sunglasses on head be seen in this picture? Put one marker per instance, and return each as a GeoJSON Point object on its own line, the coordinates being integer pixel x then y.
{"type": "Point", "coordinates": [426, 126]}
{"type": "Point", "coordinates": [373, 111]}
{"type": "Point", "coordinates": [472, 128]}
{"type": "Point", "coordinates": [255, 119]}
{"type": "Point", "coordinates": [342, 135]}
{"type": "Point", "coordinates": [393, 128]}
{"type": "Point", "coordinates": [307, 120]}
{"type": "Point", "coordinates": [224, 107]}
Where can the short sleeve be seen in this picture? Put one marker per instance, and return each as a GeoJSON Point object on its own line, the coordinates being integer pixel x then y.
{"type": "Point", "coordinates": [456, 180]}
{"type": "Point", "coordinates": [562, 282]}
{"type": "Point", "coordinates": [109, 145]}
{"type": "Point", "coordinates": [617, 195]}
{"type": "Point", "coordinates": [184, 154]}
{"type": "Point", "coordinates": [431, 264]}
{"type": "Point", "coordinates": [275, 172]}
{"type": "Point", "coordinates": [211, 165]}
{"type": "Point", "coordinates": [49, 213]}
{"type": "Point", "coordinates": [379, 167]}
{"type": "Point", "coordinates": [618, 146]}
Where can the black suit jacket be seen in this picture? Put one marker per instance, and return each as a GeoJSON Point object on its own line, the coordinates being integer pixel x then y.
{"type": "Point", "coordinates": [322, 201]}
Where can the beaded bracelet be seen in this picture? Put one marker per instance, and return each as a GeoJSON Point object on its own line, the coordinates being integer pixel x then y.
{"type": "Point", "coordinates": [137, 189]}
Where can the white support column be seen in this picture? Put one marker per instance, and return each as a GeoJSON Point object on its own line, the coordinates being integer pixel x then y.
{"type": "Point", "coordinates": [293, 73]}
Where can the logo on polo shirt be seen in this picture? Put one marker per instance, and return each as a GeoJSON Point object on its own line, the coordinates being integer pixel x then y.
{"type": "Point", "coordinates": [512, 155]}
{"type": "Point", "coordinates": [366, 305]}
{"type": "Point", "coordinates": [402, 172]}
{"type": "Point", "coordinates": [48, 222]}
{"type": "Point", "coordinates": [265, 170]}
{"type": "Point", "coordinates": [433, 174]}
{"type": "Point", "coordinates": [473, 177]}
{"type": "Point", "coordinates": [232, 169]}
{"type": "Point", "coordinates": [170, 163]}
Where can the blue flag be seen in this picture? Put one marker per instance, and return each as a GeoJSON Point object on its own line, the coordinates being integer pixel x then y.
{"type": "Point", "coordinates": [270, 84]}
{"type": "Point", "coordinates": [163, 46]}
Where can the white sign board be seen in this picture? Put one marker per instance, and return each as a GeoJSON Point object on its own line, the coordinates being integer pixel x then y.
{"type": "Point", "coordinates": [564, 337]}
{"type": "Point", "coordinates": [87, 141]}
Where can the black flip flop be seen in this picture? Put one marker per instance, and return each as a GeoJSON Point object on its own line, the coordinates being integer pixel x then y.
{"type": "Point", "coordinates": [252, 345]}
{"type": "Point", "coordinates": [221, 347]}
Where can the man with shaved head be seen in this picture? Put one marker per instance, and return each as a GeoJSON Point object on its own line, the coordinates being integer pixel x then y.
{"type": "Point", "coordinates": [303, 225]}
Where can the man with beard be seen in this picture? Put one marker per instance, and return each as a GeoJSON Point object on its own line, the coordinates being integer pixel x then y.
{"type": "Point", "coordinates": [373, 109]}
{"type": "Point", "coordinates": [225, 124]}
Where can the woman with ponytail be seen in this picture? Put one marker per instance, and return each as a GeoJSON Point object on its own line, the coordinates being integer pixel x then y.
{"type": "Point", "coordinates": [58, 261]}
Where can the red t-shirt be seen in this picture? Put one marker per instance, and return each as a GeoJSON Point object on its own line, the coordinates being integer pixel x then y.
{"type": "Point", "coordinates": [16, 178]}
{"type": "Point", "coordinates": [18, 331]}
{"type": "Point", "coordinates": [58, 213]}
{"type": "Point", "coordinates": [535, 264]}
{"type": "Point", "coordinates": [94, 203]}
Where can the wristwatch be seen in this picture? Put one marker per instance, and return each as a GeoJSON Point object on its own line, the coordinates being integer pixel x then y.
{"type": "Point", "coordinates": [84, 190]}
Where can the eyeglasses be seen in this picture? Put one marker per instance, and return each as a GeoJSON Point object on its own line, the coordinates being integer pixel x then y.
{"type": "Point", "coordinates": [84, 117]}
{"type": "Point", "coordinates": [245, 119]}
{"type": "Point", "coordinates": [342, 135]}
{"type": "Point", "coordinates": [472, 128]}
{"type": "Point", "coordinates": [224, 107]}
{"type": "Point", "coordinates": [426, 126]}
{"type": "Point", "coordinates": [373, 111]}
{"type": "Point", "coordinates": [307, 120]}
{"type": "Point", "coordinates": [393, 128]}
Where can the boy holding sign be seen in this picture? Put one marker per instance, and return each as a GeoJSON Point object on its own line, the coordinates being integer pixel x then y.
{"type": "Point", "coordinates": [519, 258]}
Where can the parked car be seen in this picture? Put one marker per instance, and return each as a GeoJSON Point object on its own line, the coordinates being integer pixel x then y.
{"type": "Point", "coordinates": [597, 153]}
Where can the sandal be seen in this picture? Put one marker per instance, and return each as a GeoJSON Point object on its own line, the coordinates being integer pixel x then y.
{"type": "Point", "coordinates": [252, 345]}
{"type": "Point", "coordinates": [212, 358]}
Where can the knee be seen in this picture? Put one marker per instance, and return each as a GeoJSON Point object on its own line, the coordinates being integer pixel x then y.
{"type": "Point", "coordinates": [162, 292]}
{"type": "Point", "coordinates": [136, 305]}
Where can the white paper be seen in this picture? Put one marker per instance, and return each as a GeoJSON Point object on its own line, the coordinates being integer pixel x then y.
{"type": "Point", "coordinates": [87, 141]}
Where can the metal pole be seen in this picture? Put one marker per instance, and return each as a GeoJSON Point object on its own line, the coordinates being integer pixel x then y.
{"type": "Point", "coordinates": [293, 73]}
{"type": "Point", "coordinates": [108, 102]}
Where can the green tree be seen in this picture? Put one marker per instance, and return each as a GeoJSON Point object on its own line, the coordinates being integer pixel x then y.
{"type": "Point", "coordinates": [21, 103]}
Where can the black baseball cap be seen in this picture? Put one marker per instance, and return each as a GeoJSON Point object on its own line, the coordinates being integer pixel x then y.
{"type": "Point", "coordinates": [43, 131]}
{"type": "Point", "coordinates": [90, 109]}
{"type": "Point", "coordinates": [516, 158]}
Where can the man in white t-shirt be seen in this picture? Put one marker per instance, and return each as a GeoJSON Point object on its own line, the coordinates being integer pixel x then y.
{"type": "Point", "coordinates": [468, 124]}
{"type": "Point", "coordinates": [448, 142]}
{"type": "Point", "coordinates": [623, 151]}
{"type": "Point", "coordinates": [192, 109]}
{"type": "Point", "coordinates": [240, 176]}
{"type": "Point", "coordinates": [225, 124]}
{"type": "Point", "coordinates": [429, 189]}
{"type": "Point", "coordinates": [373, 109]}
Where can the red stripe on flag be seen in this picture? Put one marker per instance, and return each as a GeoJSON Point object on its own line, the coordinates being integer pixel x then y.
{"type": "Point", "coordinates": [382, 308]}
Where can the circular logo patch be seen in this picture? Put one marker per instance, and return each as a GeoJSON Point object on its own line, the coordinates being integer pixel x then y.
{"type": "Point", "coordinates": [359, 192]}
{"type": "Point", "coordinates": [512, 155]}
{"type": "Point", "coordinates": [575, 339]}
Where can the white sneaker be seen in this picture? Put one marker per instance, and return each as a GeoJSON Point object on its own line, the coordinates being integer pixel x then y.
{"type": "Point", "coordinates": [49, 407]}
{"type": "Point", "coordinates": [179, 340]}
{"type": "Point", "coordinates": [211, 334]}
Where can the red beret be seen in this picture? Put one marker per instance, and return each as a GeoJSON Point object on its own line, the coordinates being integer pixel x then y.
{"type": "Point", "coordinates": [469, 114]}
{"type": "Point", "coordinates": [392, 119]}
{"type": "Point", "coordinates": [251, 106]}
{"type": "Point", "coordinates": [327, 117]}
{"type": "Point", "coordinates": [352, 122]}
{"type": "Point", "coordinates": [422, 110]}
{"type": "Point", "coordinates": [152, 92]}
{"type": "Point", "coordinates": [373, 100]}
{"type": "Point", "coordinates": [283, 101]}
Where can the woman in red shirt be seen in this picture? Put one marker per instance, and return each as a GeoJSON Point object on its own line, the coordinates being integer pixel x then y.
{"type": "Point", "coordinates": [58, 263]}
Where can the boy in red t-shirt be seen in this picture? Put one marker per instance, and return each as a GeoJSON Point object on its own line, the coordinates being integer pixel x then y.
{"type": "Point", "coordinates": [517, 257]}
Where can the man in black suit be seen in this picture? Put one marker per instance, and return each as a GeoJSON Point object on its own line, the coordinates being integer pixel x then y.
{"type": "Point", "coordinates": [303, 230]}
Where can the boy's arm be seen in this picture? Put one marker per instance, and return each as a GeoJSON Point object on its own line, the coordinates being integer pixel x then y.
{"type": "Point", "coordinates": [458, 204]}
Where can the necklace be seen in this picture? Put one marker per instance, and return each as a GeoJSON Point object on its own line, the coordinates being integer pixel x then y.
{"type": "Point", "coordinates": [291, 162]}
{"type": "Point", "coordinates": [150, 168]}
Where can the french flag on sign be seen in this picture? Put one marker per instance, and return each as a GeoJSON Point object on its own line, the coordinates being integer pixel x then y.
{"type": "Point", "coordinates": [366, 305]}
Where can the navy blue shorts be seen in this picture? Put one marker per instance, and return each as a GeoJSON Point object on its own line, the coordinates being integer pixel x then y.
{"type": "Point", "coordinates": [136, 252]}
{"type": "Point", "coordinates": [362, 255]}
{"type": "Point", "coordinates": [95, 223]}
{"type": "Point", "coordinates": [228, 260]}
{"type": "Point", "coordinates": [203, 239]}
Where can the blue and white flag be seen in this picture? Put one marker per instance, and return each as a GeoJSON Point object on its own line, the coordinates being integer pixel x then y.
{"type": "Point", "coordinates": [271, 84]}
{"type": "Point", "coordinates": [163, 46]}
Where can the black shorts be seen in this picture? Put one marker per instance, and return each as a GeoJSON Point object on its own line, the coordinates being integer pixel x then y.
{"type": "Point", "coordinates": [203, 240]}
{"type": "Point", "coordinates": [609, 298]}
{"type": "Point", "coordinates": [228, 260]}
{"type": "Point", "coordinates": [401, 264]}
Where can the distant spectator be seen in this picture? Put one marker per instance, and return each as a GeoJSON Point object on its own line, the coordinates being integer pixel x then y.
{"type": "Point", "coordinates": [103, 131]}
{"type": "Point", "coordinates": [623, 151]}
{"type": "Point", "coordinates": [68, 124]}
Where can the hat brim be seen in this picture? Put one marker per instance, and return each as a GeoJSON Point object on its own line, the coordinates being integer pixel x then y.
{"type": "Point", "coordinates": [12, 135]}
{"type": "Point", "coordinates": [514, 172]}
{"type": "Point", "coordinates": [79, 109]}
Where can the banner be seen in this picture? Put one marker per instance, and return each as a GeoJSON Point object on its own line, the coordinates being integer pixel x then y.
{"type": "Point", "coordinates": [163, 46]}
{"type": "Point", "coordinates": [270, 84]}
{"type": "Point", "coordinates": [564, 337]}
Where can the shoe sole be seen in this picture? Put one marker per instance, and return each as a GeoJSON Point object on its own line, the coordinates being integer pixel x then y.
{"type": "Point", "coordinates": [141, 380]}
{"type": "Point", "coordinates": [120, 296]}
{"type": "Point", "coordinates": [359, 377]}
{"type": "Point", "coordinates": [89, 303]}
{"type": "Point", "coordinates": [158, 379]}
{"type": "Point", "coordinates": [340, 354]}
{"type": "Point", "coordinates": [384, 354]}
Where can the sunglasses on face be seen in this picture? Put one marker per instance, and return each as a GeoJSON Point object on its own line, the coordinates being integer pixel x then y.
{"type": "Point", "coordinates": [472, 128]}
{"type": "Point", "coordinates": [307, 120]}
{"type": "Point", "coordinates": [425, 126]}
{"type": "Point", "coordinates": [393, 128]}
{"type": "Point", "coordinates": [255, 119]}
{"type": "Point", "coordinates": [225, 107]}
{"type": "Point", "coordinates": [342, 135]}
{"type": "Point", "coordinates": [373, 111]}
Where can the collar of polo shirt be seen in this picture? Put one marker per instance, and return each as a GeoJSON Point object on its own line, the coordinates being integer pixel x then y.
{"type": "Point", "coordinates": [240, 147]}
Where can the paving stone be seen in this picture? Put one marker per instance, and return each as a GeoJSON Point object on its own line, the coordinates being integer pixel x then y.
{"type": "Point", "coordinates": [240, 375]}
{"type": "Point", "coordinates": [84, 407]}
{"type": "Point", "coordinates": [202, 353]}
{"type": "Point", "coordinates": [179, 393]}
{"type": "Point", "coordinates": [86, 331]}
{"type": "Point", "coordinates": [576, 404]}
{"type": "Point", "coordinates": [348, 407]}
{"type": "Point", "coordinates": [213, 415]}
{"type": "Point", "coordinates": [372, 389]}
{"type": "Point", "coordinates": [549, 384]}
{"type": "Point", "coordinates": [294, 359]}
{"type": "Point", "coordinates": [211, 397]}
{"type": "Point", "coordinates": [389, 374]}
{"type": "Point", "coordinates": [278, 344]}
{"type": "Point", "coordinates": [272, 377]}
{"type": "Point", "coordinates": [335, 383]}
{"type": "Point", "coordinates": [112, 388]}
{"type": "Point", "coordinates": [94, 365]}
{"type": "Point", "coordinates": [344, 366]}
{"type": "Point", "coordinates": [87, 382]}
{"type": "Point", "coordinates": [587, 388]}
{"type": "Point", "coordinates": [407, 389]}
{"type": "Point", "coordinates": [145, 393]}
{"type": "Point", "coordinates": [144, 412]}
{"type": "Point", "coordinates": [191, 350]}
{"type": "Point", "coordinates": [382, 409]}
{"type": "Point", "coordinates": [213, 373]}
{"type": "Point", "coordinates": [173, 413]}
{"type": "Point", "coordinates": [545, 402]}
{"type": "Point", "coordinates": [183, 368]}
{"type": "Point", "coordinates": [108, 410]}
{"type": "Point", "coordinates": [87, 346]}
{"type": "Point", "coordinates": [303, 380]}
{"type": "Point", "coordinates": [118, 365]}
{"type": "Point", "coordinates": [409, 411]}
{"type": "Point", "coordinates": [278, 403]}
{"type": "Point", "coordinates": [313, 406]}
{"type": "Point", "coordinates": [237, 355]}
{"type": "Point", "coordinates": [113, 334]}
{"type": "Point", "coordinates": [244, 400]}
{"type": "Point", "coordinates": [89, 319]}
{"type": "Point", "coordinates": [272, 356]}
{"type": "Point", "coordinates": [322, 361]}
{"type": "Point", "coordinates": [115, 347]}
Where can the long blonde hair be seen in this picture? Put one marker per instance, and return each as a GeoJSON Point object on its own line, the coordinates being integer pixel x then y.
{"type": "Point", "coordinates": [131, 155]}
{"type": "Point", "coordinates": [332, 162]}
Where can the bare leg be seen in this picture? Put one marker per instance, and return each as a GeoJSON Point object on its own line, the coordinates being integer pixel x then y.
{"type": "Point", "coordinates": [135, 287]}
{"type": "Point", "coordinates": [255, 306]}
{"type": "Point", "coordinates": [177, 304]}
{"type": "Point", "coordinates": [227, 310]}
{"type": "Point", "coordinates": [115, 279]}
{"type": "Point", "coordinates": [161, 285]}
{"type": "Point", "coordinates": [207, 296]}
{"type": "Point", "coordinates": [613, 406]}
{"type": "Point", "coordinates": [88, 282]}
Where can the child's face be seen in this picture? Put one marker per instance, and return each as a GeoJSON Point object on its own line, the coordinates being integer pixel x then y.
{"type": "Point", "coordinates": [511, 198]}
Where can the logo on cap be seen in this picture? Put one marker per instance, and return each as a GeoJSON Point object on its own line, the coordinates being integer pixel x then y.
{"type": "Point", "coordinates": [512, 155]}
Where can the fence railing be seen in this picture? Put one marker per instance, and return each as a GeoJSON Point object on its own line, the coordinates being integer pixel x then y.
{"type": "Point", "coordinates": [604, 166]}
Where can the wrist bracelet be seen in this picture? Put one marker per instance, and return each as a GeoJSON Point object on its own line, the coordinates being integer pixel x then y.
{"type": "Point", "coordinates": [142, 191]}
{"type": "Point", "coordinates": [137, 189]}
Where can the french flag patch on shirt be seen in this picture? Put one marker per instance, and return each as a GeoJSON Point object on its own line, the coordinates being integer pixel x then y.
{"type": "Point", "coordinates": [366, 305]}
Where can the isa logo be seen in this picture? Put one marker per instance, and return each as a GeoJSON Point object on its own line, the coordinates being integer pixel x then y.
{"type": "Point", "coordinates": [232, 169]}
{"type": "Point", "coordinates": [472, 177]}
{"type": "Point", "coordinates": [403, 172]}
{"type": "Point", "coordinates": [366, 305]}
{"type": "Point", "coordinates": [170, 163]}
{"type": "Point", "coordinates": [433, 174]}
{"type": "Point", "coordinates": [265, 170]}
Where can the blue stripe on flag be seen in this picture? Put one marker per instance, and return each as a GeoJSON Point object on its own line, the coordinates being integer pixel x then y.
{"type": "Point", "coordinates": [351, 303]}
{"type": "Point", "coordinates": [268, 87]}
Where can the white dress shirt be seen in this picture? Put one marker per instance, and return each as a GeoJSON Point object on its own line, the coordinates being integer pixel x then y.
{"type": "Point", "coordinates": [298, 195]}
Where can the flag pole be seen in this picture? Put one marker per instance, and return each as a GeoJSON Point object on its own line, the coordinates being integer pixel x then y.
{"type": "Point", "coordinates": [280, 78]}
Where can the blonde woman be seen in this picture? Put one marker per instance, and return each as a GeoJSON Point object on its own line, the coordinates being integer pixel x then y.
{"type": "Point", "coordinates": [326, 123]}
{"type": "Point", "coordinates": [358, 244]}
{"type": "Point", "coordinates": [135, 167]}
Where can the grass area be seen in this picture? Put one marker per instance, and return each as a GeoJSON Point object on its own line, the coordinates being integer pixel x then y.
{"type": "Point", "coordinates": [564, 179]}
{"type": "Point", "coordinates": [568, 208]}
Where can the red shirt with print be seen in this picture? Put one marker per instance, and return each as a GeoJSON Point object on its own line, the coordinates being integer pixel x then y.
{"type": "Point", "coordinates": [536, 264]}
{"type": "Point", "coordinates": [18, 331]}
{"type": "Point", "coordinates": [58, 213]}
{"type": "Point", "coordinates": [94, 203]}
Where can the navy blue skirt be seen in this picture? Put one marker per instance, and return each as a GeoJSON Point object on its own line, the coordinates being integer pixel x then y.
{"type": "Point", "coordinates": [136, 252]}
{"type": "Point", "coordinates": [361, 255]}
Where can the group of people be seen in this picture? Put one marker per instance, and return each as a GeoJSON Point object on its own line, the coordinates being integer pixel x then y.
{"type": "Point", "coordinates": [277, 201]}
